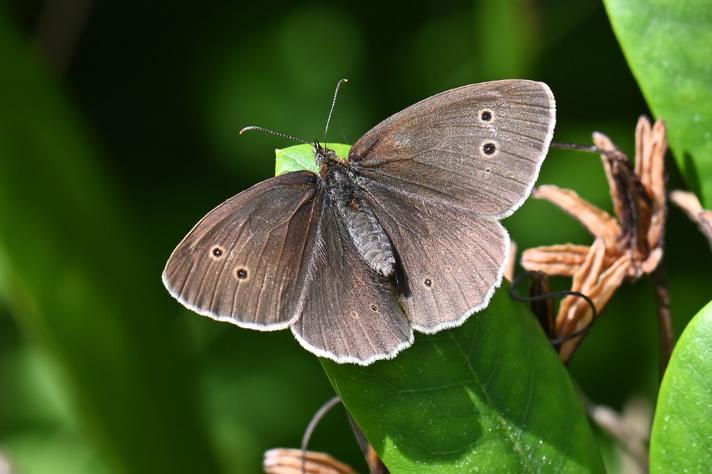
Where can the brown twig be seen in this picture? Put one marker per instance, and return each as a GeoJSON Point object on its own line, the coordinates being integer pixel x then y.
{"type": "Point", "coordinates": [620, 429]}
{"type": "Point", "coordinates": [5, 467]}
{"type": "Point", "coordinates": [511, 263]}
{"type": "Point", "coordinates": [375, 465]}
{"type": "Point", "coordinates": [667, 336]}
{"type": "Point", "coordinates": [689, 203]}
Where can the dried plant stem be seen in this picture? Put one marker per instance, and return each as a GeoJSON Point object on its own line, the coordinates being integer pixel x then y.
{"type": "Point", "coordinates": [689, 203]}
{"type": "Point", "coordinates": [511, 263]}
{"type": "Point", "coordinates": [296, 461]}
{"type": "Point", "coordinates": [616, 426]}
{"type": "Point", "coordinates": [667, 337]}
{"type": "Point", "coordinates": [375, 465]}
{"type": "Point", "coordinates": [5, 467]}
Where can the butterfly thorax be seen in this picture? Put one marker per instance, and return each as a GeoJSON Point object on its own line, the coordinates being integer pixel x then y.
{"type": "Point", "coordinates": [366, 232]}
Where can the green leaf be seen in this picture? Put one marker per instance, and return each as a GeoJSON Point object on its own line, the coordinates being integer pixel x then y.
{"type": "Point", "coordinates": [301, 157]}
{"type": "Point", "coordinates": [489, 396]}
{"type": "Point", "coordinates": [682, 432]}
{"type": "Point", "coordinates": [667, 45]}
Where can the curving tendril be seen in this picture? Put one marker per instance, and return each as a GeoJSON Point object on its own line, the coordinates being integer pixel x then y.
{"type": "Point", "coordinates": [553, 294]}
{"type": "Point", "coordinates": [309, 431]}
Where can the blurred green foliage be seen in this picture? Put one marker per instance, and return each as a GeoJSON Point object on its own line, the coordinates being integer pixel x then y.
{"type": "Point", "coordinates": [105, 166]}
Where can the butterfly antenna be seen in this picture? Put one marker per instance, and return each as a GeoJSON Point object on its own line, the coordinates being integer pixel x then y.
{"type": "Point", "coordinates": [333, 103]}
{"type": "Point", "coordinates": [272, 132]}
{"type": "Point", "coordinates": [343, 133]}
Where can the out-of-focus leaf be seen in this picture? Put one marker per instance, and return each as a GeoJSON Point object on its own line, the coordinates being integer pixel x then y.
{"type": "Point", "coordinates": [77, 281]}
{"type": "Point", "coordinates": [301, 157]}
{"type": "Point", "coordinates": [682, 432]}
{"type": "Point", "coordinates": [507, 38]}
{"type": "Point", "coordinates": [667, 45]}
{"type": "Point", "coordinates": [489, 396]}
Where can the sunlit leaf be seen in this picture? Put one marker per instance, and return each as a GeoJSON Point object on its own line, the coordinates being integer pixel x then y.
{"type": "Point", "coordinates": [489, 396]}
{"type": "Point", "coordinates": [301, 157]}
{"type": "Point", "coordinates": [682, 432]}
{"type": "Point", "coordinates": [667, 45]}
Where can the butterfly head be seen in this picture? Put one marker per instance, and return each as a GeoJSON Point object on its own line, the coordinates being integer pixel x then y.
{"type": "Point", "coordinates": [324, 155]}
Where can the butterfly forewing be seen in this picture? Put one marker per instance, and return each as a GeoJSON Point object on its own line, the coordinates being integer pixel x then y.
{"type": "Point", "coordinates": [246, 261]}
{"type": "Point", "coordinates": [349, 313]}
{"type": "Point", "coordinates": [478, 147]}
{"type": "Point", "coordinates": [451, 261]}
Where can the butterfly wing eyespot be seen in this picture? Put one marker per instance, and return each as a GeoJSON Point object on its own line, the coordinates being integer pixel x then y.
{"type": "Point", "coordinates": [216, 252]}
{"type": "Point", "coordinates": [451, 139]}
{"type": "Point", "coordinates": [489, 148]}
{"type": "Point", "coordinates": [254, 276]}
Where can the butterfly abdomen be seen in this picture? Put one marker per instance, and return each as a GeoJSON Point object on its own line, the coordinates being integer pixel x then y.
{"type": "Point", "coordinates": [367, 234]}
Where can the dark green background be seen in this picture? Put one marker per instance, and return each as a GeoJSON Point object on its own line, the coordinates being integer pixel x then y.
{"type": "Point", "coordinates": [108, 164]}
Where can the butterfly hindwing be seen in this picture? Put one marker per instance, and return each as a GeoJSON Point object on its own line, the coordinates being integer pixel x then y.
{"type": "Point", "coordinates": [451, 261]}
{"type": "Point", "coordinates": [349, 313]}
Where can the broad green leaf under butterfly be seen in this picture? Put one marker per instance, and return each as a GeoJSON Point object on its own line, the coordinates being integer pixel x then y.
{"type": "Point", "coordinates": [667, 45]}
{"type": "Point", "coordinates": [682, 432]}
{"type": "Point", "coordinates": [489, 396]}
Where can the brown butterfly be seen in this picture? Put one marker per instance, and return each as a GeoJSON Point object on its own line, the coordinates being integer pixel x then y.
{"type": "Point", "coordinates": [403, 235]}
